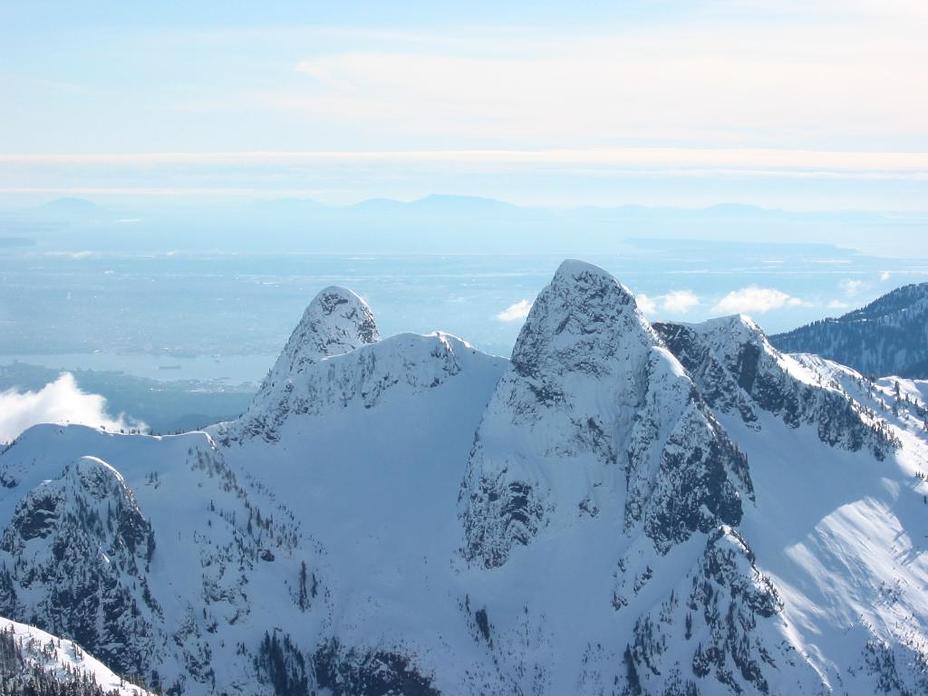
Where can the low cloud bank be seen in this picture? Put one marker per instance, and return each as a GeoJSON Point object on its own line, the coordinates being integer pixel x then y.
{"type": "Point", "coordinates": [674, 302]}
{"type": "Point", "coordinates": [515, 312]}
{"type": "Point", "coordinates": [754, 300]}
{"type": "Point", "coordinates": [61, 401]}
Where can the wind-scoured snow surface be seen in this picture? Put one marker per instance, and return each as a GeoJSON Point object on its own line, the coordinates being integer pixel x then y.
{"type": "Point", "coordinates": [32, 659]}
{"type": "Point", "coordinates": [887, 337]}
{"type": "Point", "coordinates": [620, 508]}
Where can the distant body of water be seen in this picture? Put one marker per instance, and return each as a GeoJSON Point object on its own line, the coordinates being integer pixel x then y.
{"type": "Point", "coordinates": [226, 316]}
{"type": "Point", "coordinates": [221, 371]}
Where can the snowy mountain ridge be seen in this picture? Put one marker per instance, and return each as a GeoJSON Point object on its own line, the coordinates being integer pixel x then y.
{"type": "Point", "coordinates": [737, 368]}
{"type": "Point", "coordinates": [621, 508]}
{"type": "Point", "coordinates": [365, 375]}
{"type": "Point", "coordinates": [35, 662]}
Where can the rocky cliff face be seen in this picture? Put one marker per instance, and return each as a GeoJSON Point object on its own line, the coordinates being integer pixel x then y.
{"type": "Point", "coordinates": [721, 625]}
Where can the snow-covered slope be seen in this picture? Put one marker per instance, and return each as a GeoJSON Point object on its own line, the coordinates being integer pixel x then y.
{"type": "Point", "coordinates": [301, 537]}
{"type": "Point", "coordinates": [37, 663]}
{"type": "Point", "coordinates": [887, 337]}
{"type": "Point", "coordinates": [738, 370]}
{"type": "Point", "coordinates": [840, 535]}
{"type": "Point", "coordinates": [619, 509]}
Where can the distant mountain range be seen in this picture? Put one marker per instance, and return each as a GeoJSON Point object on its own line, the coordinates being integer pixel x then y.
{"type": "Point", "coordinates": [432, 224]}
{"type": "Point", "coordinates": [887, 337]}
{"type": "Point", "coordinates": [619, 508]}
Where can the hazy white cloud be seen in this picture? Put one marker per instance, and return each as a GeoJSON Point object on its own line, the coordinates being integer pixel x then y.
{"type": "Point", "coordinates": [754, 300]}
{"type": "Point", "coordinates": [60, 401]}
{"type": "Point", "coordinates": [679, 301]}
{"type": "Point", "coordinates": [646, 304]}
{"type": "Point", "coordinates": [852, 287]}
{"type": "Point", "coordinates": [515, 312]}
{"type": "Point", "coordinates": [693, 94]}
{"type": "Point", "coordinates": [740, 160]}
{"type": "Point", "coordinates": [674, 302]}
{"type": "Point", "coordinates": [843, 80]}
{"type": "Point", "coordinates": [885, 275]}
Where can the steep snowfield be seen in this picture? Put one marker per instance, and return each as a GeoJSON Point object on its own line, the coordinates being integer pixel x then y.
{"type": "Point", "coordinates": [64, 661]}
{"type": "Point", "coordinates": [841, 535]}
{"type": "Point", "coordinates": [372, 471]}
{"type": "Point", "coordinates": [843, 538]}
{"type": "Point", "coordinates": [619, 509]}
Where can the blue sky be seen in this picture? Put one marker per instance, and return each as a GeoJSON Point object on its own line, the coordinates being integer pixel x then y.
{"type": "Point", "coordinates": [818, 105]}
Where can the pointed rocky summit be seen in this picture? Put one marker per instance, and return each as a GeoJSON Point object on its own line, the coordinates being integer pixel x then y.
{"type": "Point", "coordinates": [336, 321]}
{"type": "Point", "coordinates": [595, 418]}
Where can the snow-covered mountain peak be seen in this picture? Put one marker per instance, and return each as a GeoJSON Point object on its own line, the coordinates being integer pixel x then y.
{"type": "Point", "coordinates": [590, 422]}
{"type": "Point", "coordinates": [735, 327]}
{"type": "Point", "coordinates": [726, 335]}
{"type": "Point", "coordinates": [578, 270]}
{"type": "Point", "coordinates": [365, 376]}
{"type": "Point", "coordinates": [336, 321]}
{"type": "Point", "coordinates": [621, 509]}
{"type": "Point", "coordinates": [583, 313]}
{"type": "Point", "coordinates": [86, 518]}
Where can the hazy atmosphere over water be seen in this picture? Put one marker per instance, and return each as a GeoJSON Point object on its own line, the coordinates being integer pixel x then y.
{"type": "Point", "coordinates": [175, 185]}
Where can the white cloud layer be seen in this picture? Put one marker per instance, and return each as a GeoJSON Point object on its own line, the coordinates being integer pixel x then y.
{"type": "Point", "coordinates": [723, 159]}
{"type": "Point", "coordinates": [754, 300]}
{"type": "Point", "coordinates": [674, 302]}
{"type": "Point", "coordinates": [852, 287]}
{"type": "Point", "coordinates": [515, 312]}
{"type": "Point", "coordinates": [679, 301]}
{"type": "Point", "coordinates": [646, 304]}
{"type": "Point", "coordinates": [708, 82]}
{"type": "Point", "coordinates": [60, 401]}
{"type": "Point", "coordinates": [638, 89]}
